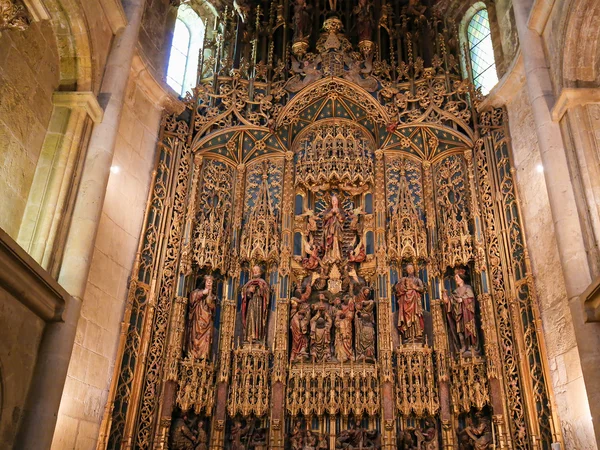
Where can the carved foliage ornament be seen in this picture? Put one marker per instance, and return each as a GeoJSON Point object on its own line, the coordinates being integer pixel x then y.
{"type": "Point", "coordinates": [212, 233]}
{"type": "Point", "coordinates": [334, 154]}
{"type": "Point", "coordinates": [260, 235]}
{"type": "Point", "coordinates": [13, 15]}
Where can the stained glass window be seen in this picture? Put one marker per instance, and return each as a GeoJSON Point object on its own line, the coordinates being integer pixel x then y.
{"type": "Point", "coordinates": [187, 42]}
{"type": "Point", "coordinates": [179, 55]}
{"type": "Point", "coordinates": [481, 51]}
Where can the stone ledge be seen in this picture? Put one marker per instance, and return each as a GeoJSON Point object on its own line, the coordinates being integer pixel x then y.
{"type": "Point", "coordinates": [157, 91]}
{"type": "Point", "coordinates": [572, 97]}
{"type": "Point", "coordinates": [28, 282]}
{"type": "Point", "coordinates": [508, 86]}
{"type": "Point", "coordinates": [86, 101]}
{"type": "Point", "coordinates": [591, 301]}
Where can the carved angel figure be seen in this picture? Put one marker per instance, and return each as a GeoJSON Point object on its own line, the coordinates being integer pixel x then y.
{"type": "Point", "coordinates": [255, 307]}
{"type": "Point", "coordinates": [199, 328]}
{"type": "Point", "coordinates": [461, 313]}
{"type": "Point", "coordinates": [409, 292]}
{"type": "Point", "coordinates": [306, 72]}
{"type": "Point", "coordinates": [359, 75]}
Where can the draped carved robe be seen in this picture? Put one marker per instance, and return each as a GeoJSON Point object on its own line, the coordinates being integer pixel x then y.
{"type": "Point", "coordinates": [255, 309]}
{"type": "Point", "coordinates": [409, 291]}
{"type": "Point", "coordinates": [200, 323]}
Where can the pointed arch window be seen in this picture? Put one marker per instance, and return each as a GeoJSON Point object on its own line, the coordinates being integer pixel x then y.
{"type": "Point", "coordinates": [187, 42]}
{"type": "Point", "coordinates": [481, 51]}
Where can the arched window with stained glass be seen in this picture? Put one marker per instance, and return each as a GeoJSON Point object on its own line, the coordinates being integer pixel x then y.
{"type": "Point", "coordinates": [188, 35]}
{"type": "Point", "coordinates": [481, 49]}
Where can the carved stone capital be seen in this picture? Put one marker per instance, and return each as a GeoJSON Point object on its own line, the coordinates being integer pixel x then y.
{"type": "Point", "coordinates": [85, 101]}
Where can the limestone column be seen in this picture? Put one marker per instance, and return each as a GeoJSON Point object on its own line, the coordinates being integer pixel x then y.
{"type": "Point", "coordinates": [40, 413]}
{"type": "Point", "coordinates": [568, 229]}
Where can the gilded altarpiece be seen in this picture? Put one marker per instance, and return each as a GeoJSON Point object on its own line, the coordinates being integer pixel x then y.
{"type": "Point", "coordinates": [333, 254]}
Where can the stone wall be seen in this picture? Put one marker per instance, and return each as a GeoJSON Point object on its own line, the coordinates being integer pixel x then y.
{"type": "Point", "coordinates": [156, 35]}
{"type": "Point", "coordinates": [557, 321]}
{"type": "Point", "coordinates": [29, 74]}
{"type": "Point", "coordinates": [20, 334]}
{"type": "Point", "coordinates": [94, 354]}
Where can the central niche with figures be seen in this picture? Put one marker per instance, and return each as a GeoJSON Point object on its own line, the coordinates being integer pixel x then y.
{"type": "Point", "coordinates": [333, 387]}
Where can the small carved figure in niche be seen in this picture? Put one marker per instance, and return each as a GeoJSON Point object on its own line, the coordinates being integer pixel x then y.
{"type": "Point", "coordinates": [255, 307]}
{"type": "Point", "coordinates": [323, 443]}
{"type": "Point", "coordinates": [297, 436]}
{"type": "Point", "coordinates": [344, 317]}
{"type": "Point", "coordinates": [357, 438]}
{"type": "Point", "coordinates": [310, 441]}
{"type": "Point", "coordinates": [409, 293]}
{"type": "Point", "coordinates": [427, 436]}
{"type": "Point", "coordinates": [199, 327]}
{"type": "Point", "coordinates": [299, 329]}
{"type": "Point", "coordinates": [415, 9]}
{"type": "Point", "coordinates": [365, 326]}
{"type": "Point", "coordinates": [238, 435]}
{"type": "Point", "coordinates": [477, 437]}
{"type": "Point", "coordinates": [320, 335]}
{"type": "Point", "coordinates": [202, 439]}
{"type": "Point", "coordinates": [183, 438]}
{"type": "Point", "coordinates": [333, 229]}
{"type": "Point", "coordinates": [373, 439]}
{"type": "Point", "coordinates": [364, 20]}
{"type": "Point", "coordinates": [406, 440]}
{"type": "Point", "coordinates": [257, 439]}
{"type": "Point", "coordinates": [302, 20]}
{"type": "Point", "coordinates": [353, 283]}
{"type": "Point", "coordinates": [461, 313]}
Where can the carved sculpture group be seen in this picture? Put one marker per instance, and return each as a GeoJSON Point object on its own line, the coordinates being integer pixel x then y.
{"type": "Point", "coordinates": [337, 323]}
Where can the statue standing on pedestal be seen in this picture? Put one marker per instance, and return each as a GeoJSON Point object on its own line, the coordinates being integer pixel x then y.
{"type": "Point", "coordinates": [255, 307]}
{"type": "Point", "coordinates": [199, 328]}
{"type": "Point", "coordinates": [461, 313]}
{"type": "Point", "coordinates": [364, 20]}
{"type": "Point", "coordinates": [302, 20]}
{"type": "Point", "coordinates": [409, 293]}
